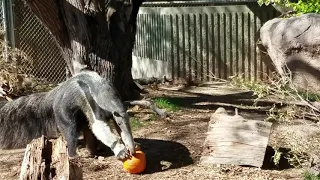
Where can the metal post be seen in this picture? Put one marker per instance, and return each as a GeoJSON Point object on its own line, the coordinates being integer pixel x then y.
{"type": "Point", "coordinates": [4, 23]}
{"type": "Point", "coordinates": [8, 22]}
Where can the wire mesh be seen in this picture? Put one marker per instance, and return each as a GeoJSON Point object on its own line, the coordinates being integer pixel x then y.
{"type": "Point", "coordinates": [194, 43]}
{"type": "Point", "coordinates": [46, 62]}
{"type": "Point", "coordinates": [1, 23]}
{"type": "Point", "coordinates": [1, 14]}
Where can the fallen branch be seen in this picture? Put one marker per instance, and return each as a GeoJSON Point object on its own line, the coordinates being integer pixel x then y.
{"type": "Point", "coordinates": [147, 104]}
{"type": "Point", "coordinates": [243, 107]}
{"type": "Point", "coordinates": [286, 69]}
{"type": "Point", "coordinates": [141, 88]}
{"type": "Point", "coordinates": [146, 81]}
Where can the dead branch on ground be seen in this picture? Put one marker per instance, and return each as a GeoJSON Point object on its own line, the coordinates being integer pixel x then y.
{"type": "Point", "coordinates": [147, 104]}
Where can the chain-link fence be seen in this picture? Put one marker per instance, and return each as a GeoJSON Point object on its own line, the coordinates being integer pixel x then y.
{"type": "Point", "coordinates": [1, 24]}
{"type": "Point", "coordinates": [1, 14]}
{"type": "Point", "coordinates": [46, 62]}
{"type": "Point", "coordinates": [194, 42]}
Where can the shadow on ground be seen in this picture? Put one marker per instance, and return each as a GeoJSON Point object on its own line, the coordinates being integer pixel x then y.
{"type": "Point", "coordinates": [203, 102]}
{"type": "Point", "coordinates": [283, 162]}
{"type": "Point", "coordinates": [195, 100]}
{"type": "Point", "coordinates": [163, 155]}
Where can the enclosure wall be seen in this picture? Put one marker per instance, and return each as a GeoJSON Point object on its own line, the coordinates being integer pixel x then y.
{"type": "Point", "coordinates": [195, 41]}
{"type": "Point", "coordinates": [200, 42]}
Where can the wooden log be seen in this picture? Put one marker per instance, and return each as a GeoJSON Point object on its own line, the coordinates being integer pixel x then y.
{"type": "Point", "coordinates": [32, 161]}
{"type": "Point", "coordinates": [148, 104]}
{"type": "Point", "coordinates": [235, 140]}
{"type": "Point", "coordinates": [46, 159]}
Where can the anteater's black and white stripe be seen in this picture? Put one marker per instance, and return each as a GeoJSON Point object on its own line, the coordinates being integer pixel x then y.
{"type": "Point", "coordinates": [85, 102]}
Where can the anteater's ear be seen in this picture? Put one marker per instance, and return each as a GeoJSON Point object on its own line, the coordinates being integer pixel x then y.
{"type": "Point", "coordinates": [116, 114]}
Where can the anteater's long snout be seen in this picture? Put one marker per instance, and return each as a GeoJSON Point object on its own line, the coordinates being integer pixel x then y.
{"type": "Point", "coordinates": [123, 123]}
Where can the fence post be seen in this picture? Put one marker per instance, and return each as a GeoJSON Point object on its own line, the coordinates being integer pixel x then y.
{"type": "Point", "coordinates": [3, 23]}
{"type": "Point", "coordinates": [8, 25]}
{"type": "Point", "coordinates": [8, 22]}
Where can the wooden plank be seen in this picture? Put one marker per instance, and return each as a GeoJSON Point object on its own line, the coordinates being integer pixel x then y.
{"type": "Point", "coordinates": [235, 140]}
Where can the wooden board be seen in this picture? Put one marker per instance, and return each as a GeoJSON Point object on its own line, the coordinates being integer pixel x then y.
{"type": "Point", "coordinates": [235, 140]}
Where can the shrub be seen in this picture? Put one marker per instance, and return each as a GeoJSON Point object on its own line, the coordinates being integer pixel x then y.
{"type": "Point", "coordinates": [299, 6]}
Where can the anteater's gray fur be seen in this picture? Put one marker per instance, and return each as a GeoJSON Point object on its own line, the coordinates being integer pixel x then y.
{"type": "Point", "coordinates": [76, 104]}
{"type": "Point", "coordinates": [2, 103]}
{"type": "Point", "coordinates": [26, 118]}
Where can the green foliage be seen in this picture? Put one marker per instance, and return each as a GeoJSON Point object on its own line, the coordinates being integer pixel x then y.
{"type": "Point", "coordinates": [135, 123]}
{"type": "Point", "coordinates": [278, 87]}
{"type": "Point", "coordinates": [268, 2]}
{"type": "Point", "coordinates": [300, 7]}
{"type": "Point", "coordinates": [260, 89]}
{"type": "Point", "coordinates": [309, 96]}
{"type": "Point", "coordinates": [276, 157]}
{"type": "Point", "coordinates": [297, 158]}
{"type": "Point", "coordinates": [281, 88]}
{"type": "Point", "coordinates": [166, 104]}
{"type": "Point", "coordinates": [306, 6]}
{"type": "Point", "coordinates": [282, 115]}
{"type": "Point", "coordinates": [153, 118]}
{"type": "Point", "coordinates": [309, 176]}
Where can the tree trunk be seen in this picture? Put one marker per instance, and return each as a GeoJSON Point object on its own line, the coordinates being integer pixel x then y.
{"type": "Point", "coordinates": [46, 159]}
{"type": "Point", "coordinates": [93, 33]}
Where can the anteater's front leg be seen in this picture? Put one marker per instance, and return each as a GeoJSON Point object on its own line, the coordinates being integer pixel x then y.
{"type": "Point", "coordinates": [69, 130]}
{"type": "Point", "coordinates": [67, 125]}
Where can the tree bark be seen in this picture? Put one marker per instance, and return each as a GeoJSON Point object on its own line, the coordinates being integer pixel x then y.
{"type": "Point", "coordinates": [94, 34]}
{"type": "Point", "coordinates": [46, 159]}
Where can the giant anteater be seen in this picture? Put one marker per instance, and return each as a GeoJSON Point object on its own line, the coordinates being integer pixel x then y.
{"type": "Point", "coordinates": [61, 110]}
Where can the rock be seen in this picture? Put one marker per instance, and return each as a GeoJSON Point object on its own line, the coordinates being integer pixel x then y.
{"type": "Point", "coordinates": [165, 165]}
{"type": "Point", "coordinates": [295, 43]}
{"type": "Point", "coordinates": [100, 158]}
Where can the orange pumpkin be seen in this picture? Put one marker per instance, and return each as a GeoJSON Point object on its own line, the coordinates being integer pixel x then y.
{"type": "Point", "coordinates": [136, 164]}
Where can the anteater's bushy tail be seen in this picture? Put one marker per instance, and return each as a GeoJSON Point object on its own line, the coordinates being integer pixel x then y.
{"type": "Point", "coordinates": [24, 119]}
{"type": "Point", "coordinates": [2, 103]}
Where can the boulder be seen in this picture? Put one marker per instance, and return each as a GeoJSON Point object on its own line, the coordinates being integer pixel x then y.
{"type": "Point", "coordinates": [293, 45]}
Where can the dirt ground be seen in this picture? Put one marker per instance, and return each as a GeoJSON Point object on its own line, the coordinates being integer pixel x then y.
{"type": "Point", "coordinates": [173, 147]}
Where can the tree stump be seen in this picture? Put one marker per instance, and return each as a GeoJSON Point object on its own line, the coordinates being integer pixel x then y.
{"type": "Point", "coordinates": [235, 140]}
{"type": "Point", "coordinates": [46, 159]}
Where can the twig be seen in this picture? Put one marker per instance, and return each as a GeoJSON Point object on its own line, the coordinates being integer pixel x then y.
{"type": "Point", "coordinates": [296, 91]}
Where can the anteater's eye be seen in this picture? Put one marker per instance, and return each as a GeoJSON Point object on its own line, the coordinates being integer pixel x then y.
{"type": "Point", "coordinates": [116, 114]}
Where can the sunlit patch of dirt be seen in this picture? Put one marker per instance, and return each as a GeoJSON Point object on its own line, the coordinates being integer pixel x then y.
{"type": "Point", "coordinates": [172, 145]}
